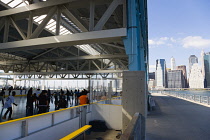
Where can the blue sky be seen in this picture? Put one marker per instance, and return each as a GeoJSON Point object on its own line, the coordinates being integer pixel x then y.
{"type": "Point", "coordinates": [178, 28]}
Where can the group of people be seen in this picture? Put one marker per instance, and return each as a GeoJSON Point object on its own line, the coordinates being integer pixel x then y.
{"type": "Point", "coordinates": [38, 101]}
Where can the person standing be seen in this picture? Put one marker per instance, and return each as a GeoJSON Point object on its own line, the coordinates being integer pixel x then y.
{"type": "Point", "coordinates": [68, 96]}
{"type": "Point", "coordinates": [72, 97]}
{"type": "Point", "coordinates": [77, 94]}
{"type": "Point", "coordinates": [83, 99]}
{"type": "Point", "coordinates": [10, 89]}
{"type": "Point", "coordinates": [8, 105]}
{"type": "Point", "coordinates": [2, 94]}
{"type": "Point", "coordinates": [29, 103]}
{"type": "Point", "coordinates": [48, 95]}
{"type": "Point", "coordinates": [38, 92]}
{"type": "Point", "coordinates": [21, 91]}
{"type": "Point", "coordinates": [43, 102]}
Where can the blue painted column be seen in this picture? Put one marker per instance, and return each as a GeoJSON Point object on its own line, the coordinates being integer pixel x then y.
{"type": "Point", "coordinates": [136, 41]}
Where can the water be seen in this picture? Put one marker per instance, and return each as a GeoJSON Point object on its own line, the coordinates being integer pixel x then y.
{"type": "Point", "coordinates": [193, 92]}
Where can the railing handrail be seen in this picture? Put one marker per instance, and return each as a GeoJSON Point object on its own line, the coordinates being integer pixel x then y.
{"type": "Point", "coordinates": [76, 133]}
{"type": "Point", "coordinates": [51, 112]}
{"type": "Point", "coordinates": [203, 99]}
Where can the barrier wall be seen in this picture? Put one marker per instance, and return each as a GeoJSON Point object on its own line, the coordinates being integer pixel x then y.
{"type": "Point", "coordinates": [57, 124]}
{"type": "Point", "coordinates": [61, 122]}
{"type": "Point", "coordinates": [111, 114]}
{"type": "Point", "coordinates": [55, 132]}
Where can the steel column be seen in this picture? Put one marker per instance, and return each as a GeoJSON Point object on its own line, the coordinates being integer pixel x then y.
{"type": "Point", "coordinates": [134, 45]}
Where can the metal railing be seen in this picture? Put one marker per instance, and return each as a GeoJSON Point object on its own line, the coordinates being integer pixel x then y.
{"type": "Point", "coordinates": [23, 127]}
{"type": "Point", "coordinates": [27, 126]}
{"type": "Point", "coordinates": [191, 97]}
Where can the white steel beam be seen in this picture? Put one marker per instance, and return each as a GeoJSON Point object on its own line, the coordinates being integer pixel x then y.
{"type": "Point", "coordinates": [114, 46]}
{"type": "Point", "coordinates": [86, 57]}
{"type": "Point", "coordinates": [64, 72]}
{"type": "Point", "coordinates": [18, 28]}
{"type": "Point", "coordinates": [71, 17]}
{"type": "Point", "coordinates": [30, 24]}
{"type": "Point", "coordinates": [65, 40]}
{"type": "Point", "coordinates": [41, 8]}
{"type": "Point", "coordinates": [107, 14]}
{"type": "Point", "coordinates": [43, 53]}
{"type": "Point", "coordinates": [40, 28]}
{"type": "Point", "coordinates": [2, 22]}
{"type": "Point", "coordinates": [96, 65]}
{"type": "Point", "coordinates": [37, 8]}
{"type": "Point", "coordinates": [58, 21]}
{"type": "Point", "coordinates": [31, 79]}
{"type": "Point", "coordinates": [6, 30]}
{"type": "Point", "coordinates": [92, 15]}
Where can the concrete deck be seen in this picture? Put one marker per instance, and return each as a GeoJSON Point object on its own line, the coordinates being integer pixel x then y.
{"type": "Point", "coordinates": [176, 119]}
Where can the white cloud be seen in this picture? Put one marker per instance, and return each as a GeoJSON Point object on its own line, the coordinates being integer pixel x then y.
{"type": "Point", "coordinates": [162, 41]}
{"type": "Point", "coordinates": [151, 42]}
{"type": "Point", "coordinates": [164, 38]}
{"type": "Point", "coordinates": [195, 42]}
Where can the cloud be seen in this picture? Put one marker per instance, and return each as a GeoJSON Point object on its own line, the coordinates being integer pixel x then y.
{"type": "Point", "coordinates": [162, 41]}
{"type": "Point", "coordinates": [195, 42]}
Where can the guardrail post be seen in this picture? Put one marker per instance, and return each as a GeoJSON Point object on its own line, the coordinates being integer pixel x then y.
{"type": "Point", "coordinates": [200, 99]}
{"type": "Point", "coordinates": [24, 128]}
{"type": "Point", "coordinates": [83, 115]}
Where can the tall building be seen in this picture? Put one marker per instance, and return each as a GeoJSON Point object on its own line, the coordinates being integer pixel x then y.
{"type": "Point", "coordinates": [207, 69]}
{"type": "Point", "coordinates": [192, 60]}
{"type": "Point", "coordinates": [196, 79]}
{"type": "Point", "coordinates": [202, 63]}
{"type": "Point", "coordinates": [175, 79]}
{"type": "Point", "coordinates": [173, 63]}
{"type": "Point", "coordinates": [184, 73]}
{"type": "Point", "coordinates": [160, 74]}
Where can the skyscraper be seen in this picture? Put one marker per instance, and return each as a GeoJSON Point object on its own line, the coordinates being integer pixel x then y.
{"type": "Point", "coordinates": [173, 64]}
{"type": "Point", "coordinates": [196, 79]}
{"type": "Point", "coordinates": [192, 60]}
{"type": "Point", "coordinates": [202, 63]}
{"type": "Point", "coordinates": [160, 74]}
{"type": "Point", "coordinates": [184, 73]}
{"type": "Point", "coordinates": [207, 69]}
{"type": "Point", "coordinates": [175, 79]}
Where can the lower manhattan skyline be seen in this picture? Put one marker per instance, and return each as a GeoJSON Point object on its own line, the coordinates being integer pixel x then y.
{"type": "Point", "coordinates": [177, 33]}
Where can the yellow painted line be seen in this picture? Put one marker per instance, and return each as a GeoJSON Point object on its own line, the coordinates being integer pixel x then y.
{"type": "Point", "coordinates": [19, 95]}
{"type": "Point", "coordinates": [76, 133]}
{"type": "Point", "coordinates": [116, 96]}
{"type": "Point", "coordinates": [15, 95]}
